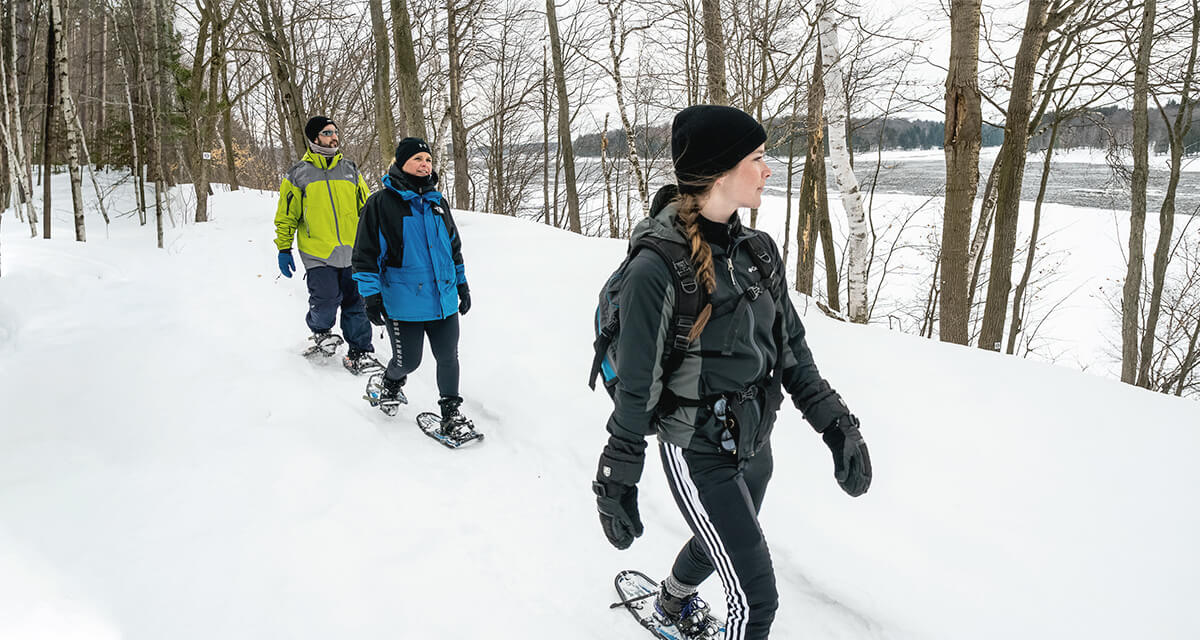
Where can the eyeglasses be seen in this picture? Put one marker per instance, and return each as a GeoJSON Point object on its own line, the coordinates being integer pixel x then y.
{"type": "Point", "coordinates": [329, 133]}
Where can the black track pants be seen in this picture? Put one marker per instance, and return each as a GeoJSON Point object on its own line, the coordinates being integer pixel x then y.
{"type": "Point", "coordinates": [721, 503]}
{"type": "Point", "coordinates": [408, 344]}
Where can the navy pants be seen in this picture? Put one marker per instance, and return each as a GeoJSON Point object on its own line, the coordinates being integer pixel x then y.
{"type": "Point", "coordinates": [330, 288]}
{"type": "Point", "coordinates": [720, 503]}
{"type": "Point", "coordinates": [408, 344]}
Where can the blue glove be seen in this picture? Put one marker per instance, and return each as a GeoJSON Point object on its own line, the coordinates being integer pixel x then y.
{"type": "Point", "coordinates": [286, 264]}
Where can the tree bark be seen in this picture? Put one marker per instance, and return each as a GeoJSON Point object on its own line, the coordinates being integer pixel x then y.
{"type": "Point", "coordinates": [19, 158]}
{"type": "Point", "coordinates": [458, 128]}
{"type": "Point", "coordinates": [1131, 292]}
{"type": "Point", "coordinates": [66, 104]}
{"type": "Point", "coordinates": [962, 141]}
{"type": "Point", "coordinates": [1166, 215]}
{"type": "Point", "coordinates": [839, 158]}
{"type": "Point", "coordinates": [227, 130]}
{"type": "Point", "coordinates": [1017, 320]}
{"type": "Point", "coordinates": [564, 119]}
{"type": "Point", "coordinates": [383, 85]}
{"type": "Point", "coordinates": [812, 206]}
{"type": "Point", "coordinates": [282, 66]}
{"type": "Point", "coordinates": [413, 113]}
{"type": "Point", "coordinates": [1012, 172]}
{"type": "Point", "coordinates": [616, 51]}
{"type": "Point", "coordinates": [714, 51]}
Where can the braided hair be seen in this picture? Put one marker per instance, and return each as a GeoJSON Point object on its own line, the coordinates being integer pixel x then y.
{"type": "Point", "coordinates": [702, 262]}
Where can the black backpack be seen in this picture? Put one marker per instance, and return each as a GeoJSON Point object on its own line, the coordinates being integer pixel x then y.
{"type": "Point", "coordinates": [690, 299]}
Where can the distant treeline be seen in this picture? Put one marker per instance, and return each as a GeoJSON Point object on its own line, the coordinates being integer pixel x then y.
{"type": "Point", "coordinates": [1095, 128]}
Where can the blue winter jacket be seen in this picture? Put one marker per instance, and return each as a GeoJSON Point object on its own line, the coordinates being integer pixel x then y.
{"type": "Point", "coordinates": [408, 249]}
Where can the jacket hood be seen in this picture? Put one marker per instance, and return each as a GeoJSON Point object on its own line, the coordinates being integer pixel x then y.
{"type": "Point", "coordinates": [404, 182]}
{"type": "Point", "coordinates": [661, 221]}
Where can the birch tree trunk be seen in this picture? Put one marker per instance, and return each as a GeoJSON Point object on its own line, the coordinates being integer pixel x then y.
{"type": "Point", "coordinates": [413, 113]}
{"type": "Point", "coordinates": [67, 104]}
{"type": "Point", "coordinates": [1131, 293]}
{"type": "Point", "coordinates": [19, 158]}
{"type": "Point", "coordinates": [383, 85]}
{"type": "Point", "coordinates": [714, 52]}
{"type": "Point", "coordinates": [564, 119]}
{"type": "Point", "coordinates": [616, 49]}
{"type": "Point", "coordinates": [839, 158]}
{"type": "Point", "coordinates": [962, 141]}
{"type": "Point", "coordinates": [1012, 173]}
{"type": "Point", "coordinates": [48, 130]}
{"type": "Point", "coordinates": [1177, 133]}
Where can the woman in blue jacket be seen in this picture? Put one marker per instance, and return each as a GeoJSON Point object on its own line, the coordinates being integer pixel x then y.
{"type": "Point", "coordinates": [409, 267]}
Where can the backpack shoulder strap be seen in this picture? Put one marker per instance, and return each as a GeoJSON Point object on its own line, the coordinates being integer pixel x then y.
{"type": "Point", "coordinates": [689, 298]}
{"type": "Point", "coordinates": [764, 260]}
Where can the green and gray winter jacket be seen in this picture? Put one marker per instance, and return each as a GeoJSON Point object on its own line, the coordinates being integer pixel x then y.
{"type": "Point", "coordinates": [736, 351]}
{"type": "Point", "coordinates": [319, 200]}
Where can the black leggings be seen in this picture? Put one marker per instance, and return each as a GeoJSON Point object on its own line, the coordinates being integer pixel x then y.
{"type": "Point", "coordinates": [720, 503]}
{"type": "Point", "coordinates": [408, 343]}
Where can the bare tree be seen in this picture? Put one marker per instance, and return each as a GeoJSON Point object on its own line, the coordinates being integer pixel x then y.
{"type": "Point", "coordinates": [66, 104]}
{"type": "Point", "coordinates": [1177, 132]}
{"type": "Point", "coordinates": [839, 158]}
{"type": "Point", "coordinates": [1042, 17]}
{"type": "Point", "coordinates": [714, 52]}
{"type": "Point", "coordinates": [411, 108]}
{"type": "Point", "coordinates": [1137, 211]}
{"type": "Point", "coordinates": [383, 84]}
{"type": "Point", "coordinates": [962, 142]}
{"type": "Point", "coordinates": [564, 125]}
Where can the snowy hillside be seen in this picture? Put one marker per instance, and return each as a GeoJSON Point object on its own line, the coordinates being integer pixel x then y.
{"type": "Point", "coordinates": [170, 468]}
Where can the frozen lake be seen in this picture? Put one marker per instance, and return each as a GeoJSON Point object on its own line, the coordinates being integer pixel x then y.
{"type": "Point", "coordinates": [1081, 180]}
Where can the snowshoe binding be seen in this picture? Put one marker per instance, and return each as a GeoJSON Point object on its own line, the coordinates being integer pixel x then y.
{"type": "Point", "coordinates": [385, 393]}
{"type": "Point", "coordinates": [451, 428]}
{"type": "Point", "coordinates": [688, 614]}
{"type": "Point", "coordinates": [325, 345]}
{"type": "Point", "coordinates": [360, 362]}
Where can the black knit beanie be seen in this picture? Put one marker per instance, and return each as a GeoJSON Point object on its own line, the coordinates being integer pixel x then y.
{"type": "Point", "coordinates": [314, 126]}
{"type": "Point", "coordinates": [408, 148]}
{"type": "Point", "coordinates": [708, 140]}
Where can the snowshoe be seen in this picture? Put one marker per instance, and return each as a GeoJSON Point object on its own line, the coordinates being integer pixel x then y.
{"type": "Point", "coordinates": [385, 393]}
{"type": "Point", "coordinates": [451, 428]}
{"type": "Point", "coordinates": [679, 618]}
{"type": "Point", "coordinates": [325, 345]}
{"type": "Point", "coordinates": [360, 362]}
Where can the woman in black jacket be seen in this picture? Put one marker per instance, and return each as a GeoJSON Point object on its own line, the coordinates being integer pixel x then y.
{"type": "Point", "coordinates": [713, 415]}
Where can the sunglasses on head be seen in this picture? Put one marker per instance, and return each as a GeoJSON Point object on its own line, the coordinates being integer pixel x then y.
{"type": "Point", "coordinates": [329, 133]}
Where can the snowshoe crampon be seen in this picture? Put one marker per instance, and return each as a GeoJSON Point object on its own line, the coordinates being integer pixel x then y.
{"type": "Point", "coordinates": [637, 593]}
{"type": "Point", "coordinates": [455, 435]}
{"type": "Point", "coordinates": [325, 345]}
{"type": "Point", "coordinates": [361, 362]}
{"type": "Point", "coordinates": [378, 395]}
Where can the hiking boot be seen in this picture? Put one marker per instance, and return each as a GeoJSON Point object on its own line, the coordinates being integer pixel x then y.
{"type": "Point", "coordinates": [454, 424]}
{"type": "Point", "coordinates": [358, 361]}
{"type": "Point", "coordinates": [689, 614]}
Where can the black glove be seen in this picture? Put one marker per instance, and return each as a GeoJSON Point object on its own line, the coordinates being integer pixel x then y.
{"type": "Point", "coordinates": [375, 310]}
{"type": "Point", "coordinates": [464, 299]}
{"type": "Point", "coordinates": [851, 462]}
{"type": "Point", "coordinates": [616, 491]}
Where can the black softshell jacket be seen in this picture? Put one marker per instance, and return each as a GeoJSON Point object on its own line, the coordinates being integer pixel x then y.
{"type": "Point", "coordinates": [736, 350]}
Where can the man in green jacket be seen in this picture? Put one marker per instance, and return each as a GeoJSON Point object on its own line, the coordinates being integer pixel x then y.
{"type": "Point", "coordinates": [319, 201]}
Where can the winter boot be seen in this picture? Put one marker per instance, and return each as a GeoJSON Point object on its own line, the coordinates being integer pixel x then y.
{"type": "Point", "coordinates": [454, 424]}
{"type": "Point", "coordinates": [359, 362]}
{"type": "Point", "coordinates": [324, 344]}
{"type": "Point", "coordinates": [385, 393]}
{"type": "Point", "coordinates": [689, 614]}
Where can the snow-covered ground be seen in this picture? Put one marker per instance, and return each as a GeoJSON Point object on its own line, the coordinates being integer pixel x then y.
{"type": "Point", "coordinates": [171, 468]}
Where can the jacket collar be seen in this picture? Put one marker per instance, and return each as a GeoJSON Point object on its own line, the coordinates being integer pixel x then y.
{"type": "Point", "coordinates": [321, 162]}
{"type": "Point", "coordinates": [400, 181]}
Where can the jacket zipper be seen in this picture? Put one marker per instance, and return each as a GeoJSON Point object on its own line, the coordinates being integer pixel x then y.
{"type": "Point", "coordinates": [337, 230]}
